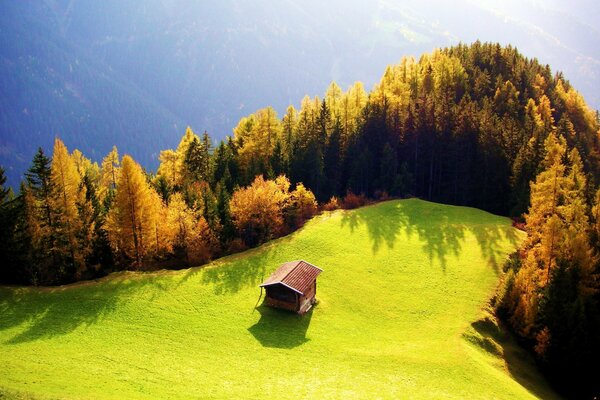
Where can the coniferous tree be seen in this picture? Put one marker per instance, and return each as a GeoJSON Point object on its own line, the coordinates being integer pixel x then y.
{"type": "Point", "coordinates": [72, 232]}
{"type": "Point", "coordinates": [227, 231]}
{"type": "Point", "coordinates": [332, 161]}
{"type": "Point", "coordinates": [197, 160]}
{"type": "Point", "coordinates": [133, 218]}
{"type": "Point", "coordinates": [39, 220]}
{"type": "Point", "coordinates": [13, 246]}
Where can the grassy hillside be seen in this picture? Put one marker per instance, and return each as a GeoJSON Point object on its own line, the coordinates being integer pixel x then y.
{"type": "Point", "coordinates": [400, 315]}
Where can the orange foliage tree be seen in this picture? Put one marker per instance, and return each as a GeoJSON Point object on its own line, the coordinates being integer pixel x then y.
{"type": "Point", "coordinates": [257, 210]}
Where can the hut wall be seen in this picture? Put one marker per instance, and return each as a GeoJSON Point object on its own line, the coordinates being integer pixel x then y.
{"type": "Point", "coordinates": [281, 304]}
{"type": "Point", "coordinates": [282, 297]}
{"type": "Point", "coordinates": [308, 298]}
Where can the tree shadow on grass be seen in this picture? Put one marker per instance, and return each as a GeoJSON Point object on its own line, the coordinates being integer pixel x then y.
{"type": "Point", "coordinates": [232, 273]}
{"type": "Point", "coordinates": [495, 338]}
{"type": "Point", "coordinates": [238, 273]}
{"type": "Point", "coordinates": [49, 312]}
{"type": "Point", "coordinates": [281, 329]}
{"type": "Point", "coordinates": [441, 228]}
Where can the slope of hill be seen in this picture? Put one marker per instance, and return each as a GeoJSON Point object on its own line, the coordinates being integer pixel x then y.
{"type": "Point", "coordinates": [133, 74]}
{"type": "Point", "coordinates": [400, 314]}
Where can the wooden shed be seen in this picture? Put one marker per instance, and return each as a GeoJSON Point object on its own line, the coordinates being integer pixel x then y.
{"type": "Point", "coordinates": [293, 286]}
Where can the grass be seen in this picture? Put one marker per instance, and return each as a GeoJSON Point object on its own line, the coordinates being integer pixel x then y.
{"type": "Point", "coordinates": [401, 314]}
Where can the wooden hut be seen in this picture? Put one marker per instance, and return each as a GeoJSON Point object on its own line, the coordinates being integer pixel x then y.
{"type": "Point", "coordinates": [292, 286]}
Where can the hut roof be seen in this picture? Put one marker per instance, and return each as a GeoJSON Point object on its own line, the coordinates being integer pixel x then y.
{"type": "Point", "coordinates": [296, 275]}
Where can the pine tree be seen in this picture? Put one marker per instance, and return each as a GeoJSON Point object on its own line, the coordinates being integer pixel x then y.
{"type": "Point", "coordinates": [13, 250]}
{"type": "Point", "coordinates": [224, 214]}
{"type": "Point", "coordinates": [40, 183]}
{"type": "Point", "coordinates": [39, 220]}
{"type": "Point", "coordinates": [332, 161]}
{"type": "Point", "coordinates": [5, 193]}
{"type": "Point", "coordinates": [197, 160]}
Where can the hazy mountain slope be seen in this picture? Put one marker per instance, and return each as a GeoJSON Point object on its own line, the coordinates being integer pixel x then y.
{"type": "Point", "coordinates": [53, 87]}
{"type": "Point", "coordinates": [117, 72]}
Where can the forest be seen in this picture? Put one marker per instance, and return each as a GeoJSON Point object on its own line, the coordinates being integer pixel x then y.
{"type": "Point", "coordinates": [477, 125]}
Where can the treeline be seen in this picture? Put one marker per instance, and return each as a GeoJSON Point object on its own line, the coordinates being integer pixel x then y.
{"type": "Point", "coordinates": [76, 220]}
{"type": "Point", "coordinates": [550, 294]}
{"type": "Point", "coordinates": [464, 125]}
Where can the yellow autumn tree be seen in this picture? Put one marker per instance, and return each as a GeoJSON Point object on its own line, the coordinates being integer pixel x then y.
{"type": "Point", "coordinates": [133, 224]}
{"type": "Point", "coordinates": [304, 201]}
{"type": "Point", "coordinates": [189, 233]}
{"type": "Point", "coordinates": [352, 104]}
{"type": "Point", "coordinates": [69, 195]}
{"type": "Point", "coordinates": [557, 227]}
{"type": "Point", "coordinates": [300, 206]}
{"type": "Point", "coordinates": [169, 167]}
{"type": "Point", "coordinates": [596, 215]}
{"type": "Point", "coordinates": [172, 162]}
{"type": "Point", "coordinates": [333, 97]}
{"type": "Point", "coordinates": [85, 166]}
{"type": "Point", "coordinates": [181, 223]}
{"type": "Point", "coordinates": [109, 175]}
{"type": "Point", "coordinates": [288, 133]}
{"type": "Point", "coordinates": [202, 243]}
{"type": "Point", "coordinates": [257, 210]}
{"type": "Point", "coordinates": [256, 135]}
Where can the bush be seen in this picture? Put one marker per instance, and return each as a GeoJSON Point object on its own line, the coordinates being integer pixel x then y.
{"type": "Point", "coordinates": [352, 201]}
{"type": "Point", "coordinates": [332, 204]}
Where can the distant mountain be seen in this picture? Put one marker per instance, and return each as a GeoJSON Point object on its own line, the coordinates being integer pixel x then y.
{"type": "Point", "coordinates": [135, 73]}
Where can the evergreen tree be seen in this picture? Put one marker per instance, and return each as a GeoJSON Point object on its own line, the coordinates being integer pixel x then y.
{"type": "Point", "coordinates": [197, 160]}
{"type": "Point", "coordinates": [41, 185]}
{"type": "Point", "coordinates": [13, 249]}
{"type": "Point", "coordinates": [332, 161]}
{"type": "Point", "coordinates": [39, 220]}
{"type": "Point", "coordinates": [224, 214]}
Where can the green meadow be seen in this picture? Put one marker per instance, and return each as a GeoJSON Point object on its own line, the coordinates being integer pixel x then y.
{"type": "Point", "coordinates": [402, 312]}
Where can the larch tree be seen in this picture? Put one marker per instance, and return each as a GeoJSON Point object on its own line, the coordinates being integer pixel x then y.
{"type": "Point", "coordinates": [558, 237]}
{"type": "Point", "coordinates": [73, 241]}
{"type": "Point", "coordinates": [288, 125]}
{"type": "Point", "coordinates": [333, 97]}
{"type": "Point", "coordinates": [110, 171]}
{"type": "Point", "coordinates": [596, 217]}
{"type": "Point", "coordinates": [256, 136]}
{"type": "Point", "coordinates": [85, 166]}
{"type": "Point", "coordinates": [173, 162]}
{"type": "Point", "coordinates": [132, 222]}
{"type": "Point", "coordinates": [544, 228]}
{"type": "Point", "coordinates": [190, 235]}
{"type": "Point", "coordinates": [169, 167]}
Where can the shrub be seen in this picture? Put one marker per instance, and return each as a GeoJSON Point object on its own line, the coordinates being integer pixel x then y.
{"type": "Point", "coordinates": [332, 204]}
{"type": "Point", "coordinates": [352, 201]}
